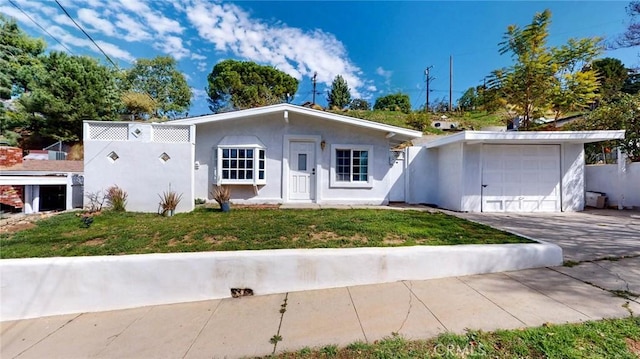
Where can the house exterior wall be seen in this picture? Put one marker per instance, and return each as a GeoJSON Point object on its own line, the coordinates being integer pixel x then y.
{"type": "Point", "coordinates": [422, 175]}
{"type": "Point", "coordinates": [572, 172]}
{"type": "Point", "coordinates": [275, 132]}
{"type": "Point", "coordinates": [472, 178]}
{"type": "Point", "coordinates": [139, 170]}
{"type": "Point", "coordinates": [450, 176]}
{"type": "Point", "coordinates": [621, 186]}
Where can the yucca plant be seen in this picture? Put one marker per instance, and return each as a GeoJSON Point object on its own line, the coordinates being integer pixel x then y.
{"type": "Point", "coordinates": [117, 198]}
{"type": "Point", "coordinates": [222, 195]}
{"type": "Point", "coordinates": [169, 200]}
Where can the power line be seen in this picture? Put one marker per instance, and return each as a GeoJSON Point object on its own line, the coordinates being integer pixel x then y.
{"type": "Point", "coordinates": [38, 25]}
{"type": "Point", "coordinates": [86, 34]}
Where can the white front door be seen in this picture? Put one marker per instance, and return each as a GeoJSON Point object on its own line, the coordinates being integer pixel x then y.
{"type": "Point", "coordinates": [302, 170]}
{"type": "Point", "coordinates": [521, 178]}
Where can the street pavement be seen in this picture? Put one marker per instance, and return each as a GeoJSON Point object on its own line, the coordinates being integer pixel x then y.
{"type": "Point", "coordinates": [598, 284]}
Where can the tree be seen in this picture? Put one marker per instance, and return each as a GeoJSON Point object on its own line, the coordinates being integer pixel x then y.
{"type": "Point", "coordinates": [140, 106]}
{"type": "Point", "coordinates": [622, 114]}
{"type": "Point", "coordinates": [612, 75]}
{"type": "Point", "coordinates": [236, 85]}
{"type": "Point", "coordinates": [394, 102]}
{"type": "Point", "coordinates": [360, 104]}
{"type": "Point", "coordinates": [544, 78]}
{"type": "Point", "coordinates": [469, 100]}
{"type": "Point", "coordinates": [631, 37]}
{"type": "Point", "coordinates": [340, 94]}
{"type": "Point", "coordinates": [632, 83]}
{"type": "Point", "coordinates": [19, 56]}
{"type": "Point", "coordinates": [575, 84]}
{"type": "Point", "coordinates": [66, 91]}
{"type": "Point", "coordinates": [160, 79]}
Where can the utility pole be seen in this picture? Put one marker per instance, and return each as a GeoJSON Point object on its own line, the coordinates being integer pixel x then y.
{"type": "Point", "coordinates": [314, 79]}
{"type": "Point", "coordinates": [428, 79]}
{"type": "Point", "coordinates": [450, 83]}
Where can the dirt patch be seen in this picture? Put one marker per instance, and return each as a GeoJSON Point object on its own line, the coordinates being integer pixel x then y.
{"type": "Point", "coordinates": [16, 227]}
{"type": "Point", "coordinates": [634, 346]}
{"type": "Point", "coordinates": [215, 240]}
{"type": "Point", "coordinates": [20, 222]}
{"type": "Point", "coordinates": [323, 236]}
{"type": "Point", "coordinates": [94, 242]}
{"type": "Point", "coordinates": [326, 236]}
{"type": "Point", "coordinates": [393, 239]}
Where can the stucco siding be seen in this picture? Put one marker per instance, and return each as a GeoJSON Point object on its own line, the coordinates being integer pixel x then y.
{"type": "Point", "coordinates": [450, 173]}
{"type": "Point", "coordinates": [621, 184]}
{"type": "Point", "coordinates": [139, 170]}
{"type": "Point", "coordinates": [573, 186]}
{"type": "Point", "coordinates": [275, 132]}
{"type": "Point", "coordinates": [422, 173]}
{"type": "Point", "coordinates": [472, 178]}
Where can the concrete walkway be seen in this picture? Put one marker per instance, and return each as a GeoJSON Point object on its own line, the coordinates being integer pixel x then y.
{"type": "Point", "coordinates": [415, 309]}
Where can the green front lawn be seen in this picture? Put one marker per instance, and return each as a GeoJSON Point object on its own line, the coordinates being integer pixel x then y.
{"type": "Point", "coordinates": [616, 338]}
{"type": "Point", "coordinates": [207, 229]}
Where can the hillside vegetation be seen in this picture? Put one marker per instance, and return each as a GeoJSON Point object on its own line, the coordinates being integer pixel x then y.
{"type": "Point", "coordinates": [422, 122]}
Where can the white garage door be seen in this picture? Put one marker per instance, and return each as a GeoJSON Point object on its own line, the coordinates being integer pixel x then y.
{"type": "Point", "coordinates": [521, 178]}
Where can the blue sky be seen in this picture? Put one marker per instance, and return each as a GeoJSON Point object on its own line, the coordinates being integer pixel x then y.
{"type": "Point", "coordinates": [378, 47]}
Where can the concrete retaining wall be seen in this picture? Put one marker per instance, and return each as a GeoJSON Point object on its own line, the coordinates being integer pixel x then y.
{"type": "Point", "coordinates": [36, 287]}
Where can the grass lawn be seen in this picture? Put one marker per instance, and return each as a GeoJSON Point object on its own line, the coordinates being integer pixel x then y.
{"type": "Point", "coordinates": [618, 338]}
{"type": "Point", "coordinates": [208, 229]}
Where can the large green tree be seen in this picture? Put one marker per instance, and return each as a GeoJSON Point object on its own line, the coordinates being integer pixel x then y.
{"type": "Point", "coordinates": [19, 57]}
{"type": "Point", "coordinates": [544, 78]}
{"type": "Point", "coordinates": [393, 102]}
{"type": "Point", "coordinates": [622, 114]}
{"type": "Point", "coordinates": [160, 80]}
{"type": "Point", "coordinates": [612, 75]}
{"type": "Point", "coordinates": [65, 91]}
{"type": "Point", "coordinates": [236, 85]}
{"type": "Point", "coordinates": [469, 100]}
{"type": "Point", "coordinates": [339, 95]}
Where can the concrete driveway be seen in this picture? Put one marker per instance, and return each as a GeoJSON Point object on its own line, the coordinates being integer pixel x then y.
{"type": "Point", "coordinates": [583, 236]}
{"type": "Point", "coordinates": [600, 247]}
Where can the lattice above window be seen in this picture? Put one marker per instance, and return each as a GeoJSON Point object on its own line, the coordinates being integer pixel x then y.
{"type": "Point", "coordinates": [109, 131]}
{"type": "Point", "coordinates": [171, 134]}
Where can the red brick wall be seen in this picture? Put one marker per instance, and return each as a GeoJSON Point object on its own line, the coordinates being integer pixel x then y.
{"type": "Point", "coordinates": [12, 196]}
{"type": "Point", "coordinates": [10, 156]}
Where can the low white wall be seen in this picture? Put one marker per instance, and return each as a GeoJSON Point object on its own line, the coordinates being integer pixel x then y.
{"type": "Point", "coordinates": [622, 186]}
{"type": "Point", "coordinates": [36, 287]}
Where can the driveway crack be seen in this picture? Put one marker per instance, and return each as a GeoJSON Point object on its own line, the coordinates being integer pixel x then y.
{"type": "Point", "coordinates": [357, 315]}
{"type": "Point", "coordinates": [50, 334]}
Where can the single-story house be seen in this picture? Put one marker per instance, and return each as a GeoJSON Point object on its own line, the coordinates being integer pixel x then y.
{"type": "Point", "coordinates": [33, 186]}
{"type": "Point", "coordinates": [292, 154]}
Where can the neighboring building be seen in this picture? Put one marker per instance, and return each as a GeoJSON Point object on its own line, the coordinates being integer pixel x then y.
{"type": "Point", "coordinates": [292, 154]}
{"type": "Point", "coordinates": [33, 186]}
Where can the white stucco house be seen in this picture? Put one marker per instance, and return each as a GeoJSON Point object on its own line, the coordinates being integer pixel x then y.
{"type": "Point", "coordinates": [291, 154]}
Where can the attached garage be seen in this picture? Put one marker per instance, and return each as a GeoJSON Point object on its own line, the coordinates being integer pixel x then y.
{"type": "Point", "coordinates": [520, 178]}
{"type": "Point", "coordinates": [485, 171]}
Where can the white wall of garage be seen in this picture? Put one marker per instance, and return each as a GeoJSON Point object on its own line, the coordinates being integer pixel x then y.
{"type": "Point", "coordinates": [620, 184]}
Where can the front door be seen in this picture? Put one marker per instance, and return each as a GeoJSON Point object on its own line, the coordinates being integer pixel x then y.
{"type": "Point", "coordinates": [302, 170]}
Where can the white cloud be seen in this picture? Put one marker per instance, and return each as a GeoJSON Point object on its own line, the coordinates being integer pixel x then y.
{"type": "Point", "coordinates": [134, 30]}
{"type": "Point", "coordinates": [292, 50]}
{"type": "Point", "coordinates": [172, 45]}
{"type": "Point", "coordinates": [114, 51]}
{"type": "Point", "coordinates": [199, 94]}
{"type": "Point", "coordinates": [195, 56]}
{"type": "Point", "coordinates": [202, 66]}
{"type": "Point", "coordinates": [384, 73]}
{"type": "Point", "coordinates": [93, 20]}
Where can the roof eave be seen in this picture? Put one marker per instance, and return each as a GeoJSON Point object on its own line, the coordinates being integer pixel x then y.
{"type": "Point", "coordinates": [528, 137]}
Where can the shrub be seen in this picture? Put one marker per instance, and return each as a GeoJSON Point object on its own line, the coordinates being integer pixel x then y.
{"type": "Point", "coordinates": [117, 198]}
{"type": "Point", "coordinates": [169, 201]}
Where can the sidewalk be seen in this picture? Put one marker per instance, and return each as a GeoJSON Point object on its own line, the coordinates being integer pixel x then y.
{"type": "Point", "coordinates": [243, 327]}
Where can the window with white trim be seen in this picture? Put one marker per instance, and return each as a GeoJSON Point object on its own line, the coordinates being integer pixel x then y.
{"type": "Point", "coordinates": [351, 166]}
{"type": "Point", "coordinates": [244, 163]}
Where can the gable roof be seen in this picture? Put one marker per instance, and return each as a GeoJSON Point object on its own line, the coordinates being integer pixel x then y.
{"type": "Point", "coordinates": [527, 137]}
{"type": "Point", "coordinates": [285, 108]}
